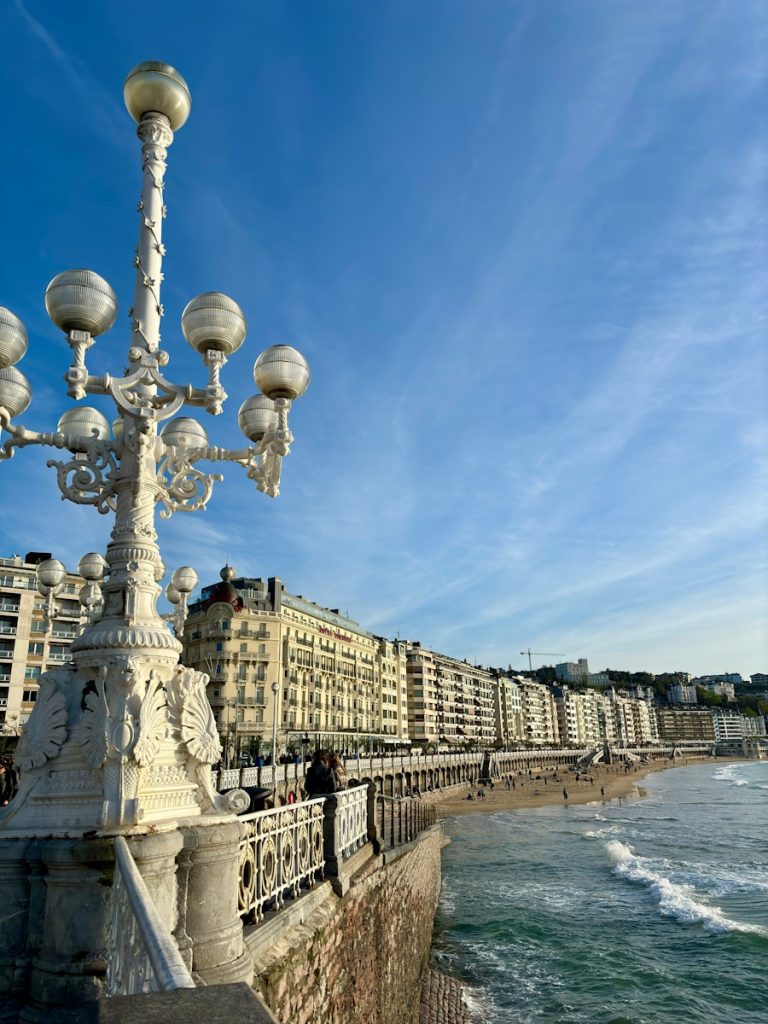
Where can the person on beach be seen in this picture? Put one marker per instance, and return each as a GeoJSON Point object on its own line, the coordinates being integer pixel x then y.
{"type": "Point", "coordinates": [565, 794]}
{"type": "Point", "coordinates": [602, 792]}
{"type": "Point", "coordinates": [481, 793]}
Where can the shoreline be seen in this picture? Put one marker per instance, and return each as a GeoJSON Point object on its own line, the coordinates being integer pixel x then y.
{"type": "Point", "coordinates": [536, 792]}
{"type": "Point", "coordinates": [531, 793]}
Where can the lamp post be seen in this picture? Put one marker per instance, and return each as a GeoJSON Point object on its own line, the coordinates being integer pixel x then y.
{"type": "Point", "coordinates": [229, 703]}
{"type": "Point", "coordinates": [125, 710]}
{"type": "Point", "coordinates": [275, 701]}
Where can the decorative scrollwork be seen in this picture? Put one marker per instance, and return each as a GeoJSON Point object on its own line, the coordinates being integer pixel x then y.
{"type": "Point", "coordinates": [182, 487]}
{"type": "Point", "coordinates": [93, 731]}
{"type": "Point", "coordinates": [46, 728]}
{"type": "Point", "coordinates": [190, 712]}
{"type": "Point", "coordinates": [88, 478]}
{"type": "Point", "coordinates": [152, 725]}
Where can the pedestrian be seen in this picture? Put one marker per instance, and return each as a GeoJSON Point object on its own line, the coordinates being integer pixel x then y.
{"type": "Point", "coordinates": [318, 780]}
{"type": "Point", "coordinates": [602, 792]}
{"type": "Point", "coordinates": [565, 794]}
{"type": "Point", "coordinates": [481, 793]}
{"type": "Point", "coordinates": [338, 773]}
{"type": "Point", "coordinates": [514, 785]}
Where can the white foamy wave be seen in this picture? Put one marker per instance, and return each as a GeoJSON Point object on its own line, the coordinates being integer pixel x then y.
{"type": "Point", "coordinates": [675, 900]}
{"type": "Point", "coordinates": [601, 833]}
{"type": "Point", "coordinates": [729, 773]}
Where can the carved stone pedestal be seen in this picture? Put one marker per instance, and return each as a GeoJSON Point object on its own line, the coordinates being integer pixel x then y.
{"type": "Point", "coordinates": [210, 912]}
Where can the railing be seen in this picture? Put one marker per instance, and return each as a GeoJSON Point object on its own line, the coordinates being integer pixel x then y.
{"type": "Point", "coordinates": [280, 854]}
{"type": "Point", "coordinates": [143, 954]}
{"type": "Point", "coordinates": [400, 819]}
{"type": "Point", "coordinates": [351, 820]}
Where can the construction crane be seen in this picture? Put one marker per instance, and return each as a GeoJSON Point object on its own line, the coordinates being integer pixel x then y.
{"type": "Point", "coordinates": [550, 654]}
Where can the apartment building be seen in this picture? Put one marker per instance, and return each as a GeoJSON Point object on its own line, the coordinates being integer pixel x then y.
{"type": "Point", "coordinates": [540, 723]}
{"type": "Point", "coordinates": [449, 701]}
{"type": "Point", "coordinates": [27, 646]}
{"type": "Point", "coordinates": [277, 657]}
{"type": "Point", "coordinates": [680, 724]}
{"type": "Point", "coordinates": [579, 716]}
{"type": "Point", "coordinates": [508, 706]}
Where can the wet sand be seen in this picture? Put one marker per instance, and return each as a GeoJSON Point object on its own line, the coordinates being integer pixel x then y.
{"type": "Point", "coordinates": [536, 792]}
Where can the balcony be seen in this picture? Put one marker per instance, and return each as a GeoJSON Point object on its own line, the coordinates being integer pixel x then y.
{"type": "Point", "coordinates": [65, 634]}
{"type": "Point", "coordinates": [5, 677]}
{"type": "Point", "coordinates": [64, 656]}
{"type": "Point", "coordinates": [251, 634]}
{"type": "Point", "coordinates": [7, 630]}
{"type": "Point", "coordinates": [254, 656]}
{"type": "Point", "coordinates": [9, 606]}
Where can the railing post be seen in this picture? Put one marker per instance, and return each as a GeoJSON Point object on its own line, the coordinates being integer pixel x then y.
{"type": "Point", "coordinates": [373, 833]}
{"type": "Point", "coordinates": [332, 847]}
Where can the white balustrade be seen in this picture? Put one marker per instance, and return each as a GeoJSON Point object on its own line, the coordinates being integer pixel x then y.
{"type": "Point", "coordinates": [352, 820]}
{"type": "Point", "coordinates": [281, 852]}
{"type": "Point", "coordinates": [229, 779]}
{"type": "Point", "coordinates": [143, 955]}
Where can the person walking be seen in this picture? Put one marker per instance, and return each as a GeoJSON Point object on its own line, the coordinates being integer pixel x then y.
{"type": "Point", "coordinates": [565, 794]}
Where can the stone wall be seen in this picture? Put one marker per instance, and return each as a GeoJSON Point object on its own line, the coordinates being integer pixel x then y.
{"type": "Point", "coordinates": [362, 957]}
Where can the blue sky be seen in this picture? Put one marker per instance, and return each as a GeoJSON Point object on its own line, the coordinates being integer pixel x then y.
{"type": "Point", "coordinates": [521, 245]}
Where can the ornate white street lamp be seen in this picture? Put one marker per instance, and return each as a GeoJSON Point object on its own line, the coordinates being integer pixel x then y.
{"type": "Point", "coordinates": [125, 735]}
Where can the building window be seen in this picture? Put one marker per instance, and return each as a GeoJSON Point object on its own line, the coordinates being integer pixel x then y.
{"type": "Point", "coordinates": [243, 648]}
{"type": "Point", "coordinates": [29, 696]}
{"type": "Point", "coordinates": [219, 646]}
{"type": "Point", "coordinates": [32, 672]}
{"type": "Point", "coordinates": [36, 649]}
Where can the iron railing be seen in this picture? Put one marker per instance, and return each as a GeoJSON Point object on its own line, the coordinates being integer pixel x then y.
{"type": "Point", "coordinates": [281, 853]}
{"type": "Point", "coordinates": [400, 820]}
{"type": "Point", "coordinates": [351, 820]}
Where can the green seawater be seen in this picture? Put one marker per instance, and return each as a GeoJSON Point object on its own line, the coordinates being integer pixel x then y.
{"type": "Point", "coordinates": [654, 911]}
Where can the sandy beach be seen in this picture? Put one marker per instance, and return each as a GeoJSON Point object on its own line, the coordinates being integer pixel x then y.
{"type": "Point", "coordinates": [546, 787]}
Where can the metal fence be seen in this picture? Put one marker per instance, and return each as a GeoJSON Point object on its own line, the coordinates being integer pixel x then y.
{"type": "Point", "coordinates": [143, 956]}
{"type": "Point", "coordinates": [399, 820]}
{"type": "Point", "coordinates": [351, 820]}
{"type": "Point", "coordinates": [281, 853]}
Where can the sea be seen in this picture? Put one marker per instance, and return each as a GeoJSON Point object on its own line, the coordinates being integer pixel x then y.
{"type": "Point", "coordinates": [652, 911]}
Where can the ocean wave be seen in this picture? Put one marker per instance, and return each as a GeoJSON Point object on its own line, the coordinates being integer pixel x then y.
{"type": "Point", "coordinates": [601, 833]}
{"type": "Point", "coordinates": [730, 773]}
{"type": "Point", "coordinates": [675, 899]}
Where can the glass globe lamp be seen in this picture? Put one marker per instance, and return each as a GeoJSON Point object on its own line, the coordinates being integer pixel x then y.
{"type": "Point", "coordinates": [213, 321]}
{"type": "Point", "coordinates": [15, 391]}
{"type": "Point", "coordinates": [93, 566]}
{"type": "Point", "coordinates": [172, 594]}
{"type": "Point", "coordinates": [80, 300]}
{"type": "Point", "coordinates": [13, 338]}
{"type": "Point", "coordinates": [184, 579]}
{"type": "Point", "coordinates": [84, 422]}
{"type": "Point", "coordinates": [184, 432]}
{"type": "Point", "coordinates": [51, 573]}
{"type": "Point", "coordinates": [281, 372]}
{"type": "Point", "coordinates": [256, 417]}
{"type": "Point", "coordinates": [154, 87]}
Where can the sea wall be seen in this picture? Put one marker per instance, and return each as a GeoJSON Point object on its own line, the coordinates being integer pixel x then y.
{"type": "Point", "coordinates": [361, 957]}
